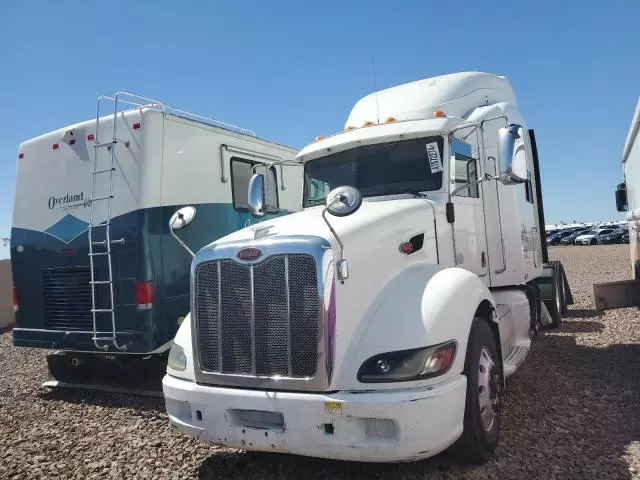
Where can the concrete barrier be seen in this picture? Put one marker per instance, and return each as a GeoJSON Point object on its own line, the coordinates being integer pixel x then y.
{"type": "Point", "coordinates": [7, 319]}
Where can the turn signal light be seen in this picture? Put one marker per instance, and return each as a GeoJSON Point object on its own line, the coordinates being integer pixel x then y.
{"type": "Point", "coordinates": [391, 119]}
{"type": "Point", "coordinates": [319, 137]}
{"type": "Point", "coordinates": [406, 247]}
{"type": "Point", "coordinates": [438, 114]}
{"type": "Point", "coordinates": [368, 123]}
{"type": "Point", "coordinates": [349, 127]}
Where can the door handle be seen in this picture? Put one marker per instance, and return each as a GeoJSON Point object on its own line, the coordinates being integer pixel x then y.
{"type": "Point", "coordinates": [483, 260]}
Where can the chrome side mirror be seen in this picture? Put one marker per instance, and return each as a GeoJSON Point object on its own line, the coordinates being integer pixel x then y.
{"type": "Point", "coordinates": [510, 174]}
{"type": "Point", "coordinates": [182, 218]}
{"type": "Point", "coordinates": [255, 196]}
{"type": "Point", "coordinates": [343, 201]}
{"type": "Point", "coordinates": [179, 220]}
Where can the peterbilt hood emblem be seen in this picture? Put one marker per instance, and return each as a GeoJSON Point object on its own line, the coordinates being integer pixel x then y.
{"type": "Point", "coordinates": [249, 253]}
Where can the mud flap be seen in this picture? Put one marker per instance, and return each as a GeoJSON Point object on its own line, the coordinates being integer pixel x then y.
{"type": "Point", "coordinates": [554, 281]}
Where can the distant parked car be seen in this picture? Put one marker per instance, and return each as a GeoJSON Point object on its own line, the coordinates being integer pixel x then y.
{"type": "Point", "coordinates": [614, 237]}
{"type": "Point", "coordinates": [551, 238]}
{"type": "Point", "coordinates": [571, 239]}
{"type": "Point", "coordinates": [556, 238]}
{"type": "Point", "coordinates": [595, 237]}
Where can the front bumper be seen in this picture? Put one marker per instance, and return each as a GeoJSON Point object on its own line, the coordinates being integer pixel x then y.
{"type": "Point", "coordinates": [380, 426]}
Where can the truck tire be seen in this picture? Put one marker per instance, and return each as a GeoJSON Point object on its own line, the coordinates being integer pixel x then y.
{"type": "Point", "coordinates": [564, 286]}
{"type": "Point", "coordinates": [482, 417]}
{"type": "Point", "coordinates": [557, 305]}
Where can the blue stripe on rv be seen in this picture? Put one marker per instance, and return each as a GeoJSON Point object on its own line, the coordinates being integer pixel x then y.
{"type": "Point", "coordinates": [51, 276]}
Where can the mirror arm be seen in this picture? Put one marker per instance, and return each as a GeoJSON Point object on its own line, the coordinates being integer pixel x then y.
{"type": "Point", "coordinates": [486, 178]}
{"type": "Point", "coordinates": [339, 198]}
{"type": "Point", "coordinates": [182, 244]}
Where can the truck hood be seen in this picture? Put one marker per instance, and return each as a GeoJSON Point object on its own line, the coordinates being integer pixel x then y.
{"type": "Point", "coordinates": [377, 219]}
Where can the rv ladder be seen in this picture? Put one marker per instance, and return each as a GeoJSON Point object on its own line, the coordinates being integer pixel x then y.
{"type": "Point", "coordinates": [102, 247]}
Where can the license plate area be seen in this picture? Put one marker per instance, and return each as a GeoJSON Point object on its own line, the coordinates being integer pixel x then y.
{"type": "Point", "coordinates": [256, 419]}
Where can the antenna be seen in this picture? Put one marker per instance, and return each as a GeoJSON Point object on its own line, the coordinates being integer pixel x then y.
{"type": "Point", "coordinates": [375, 86]}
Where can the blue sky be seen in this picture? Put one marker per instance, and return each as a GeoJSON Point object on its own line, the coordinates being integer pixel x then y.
{"type": "Point", "coordinates": [292, 70]}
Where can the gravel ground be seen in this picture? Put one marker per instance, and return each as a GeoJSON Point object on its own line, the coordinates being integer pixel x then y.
{"type": "Point", "coordinates": [571, 412]}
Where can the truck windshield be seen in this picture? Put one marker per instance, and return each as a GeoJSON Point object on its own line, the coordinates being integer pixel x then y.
{"type": "Point", "coordinates": [406, 166]}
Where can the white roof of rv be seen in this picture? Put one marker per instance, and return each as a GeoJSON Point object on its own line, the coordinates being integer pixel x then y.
{"type": "Point", "coordinates": [457, 94]}
{"type": "Point", "coordinates": [633, 133]}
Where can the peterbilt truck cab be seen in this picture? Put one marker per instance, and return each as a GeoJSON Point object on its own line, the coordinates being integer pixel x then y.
{"type": "Point", "coordinates": [381, 321]}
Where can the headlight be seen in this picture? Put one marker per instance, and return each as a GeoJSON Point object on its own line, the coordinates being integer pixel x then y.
{"type": "Point", "coordinates": [177, 359]}
{"type": "Point", "coordinates": [407, 365]}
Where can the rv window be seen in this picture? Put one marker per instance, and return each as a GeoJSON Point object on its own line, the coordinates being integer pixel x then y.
{"type": "Point", "coordinates": [241, 171]}
{"type": "Point", "coordinates": [464, 170]}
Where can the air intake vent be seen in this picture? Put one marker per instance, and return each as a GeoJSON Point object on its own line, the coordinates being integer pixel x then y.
{"type": "Point", "coordinates": [67, 298]}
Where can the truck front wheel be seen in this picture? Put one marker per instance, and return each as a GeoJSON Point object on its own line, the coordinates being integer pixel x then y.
{"type": "Point", "coordinates": [483, 370]}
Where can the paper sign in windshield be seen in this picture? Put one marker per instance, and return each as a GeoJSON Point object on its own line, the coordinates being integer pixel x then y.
{"type": "Point", "coordinates": [435, 163]}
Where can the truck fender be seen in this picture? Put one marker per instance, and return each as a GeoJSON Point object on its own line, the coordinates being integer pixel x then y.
{"type": "Point", "coordinates": [183, 339]}
{"type": "Point", "coordinates": [425, 306]}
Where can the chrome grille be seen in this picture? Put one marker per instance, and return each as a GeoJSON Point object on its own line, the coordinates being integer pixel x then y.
{"type": "Point", "coordinates": [260, 319]}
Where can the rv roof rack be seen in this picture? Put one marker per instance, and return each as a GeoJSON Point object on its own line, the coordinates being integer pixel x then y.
{"type": "Point", "coordinates": [138, 101]}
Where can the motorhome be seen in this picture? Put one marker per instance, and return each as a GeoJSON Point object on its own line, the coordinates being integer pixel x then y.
{"type": "Point", "coordinates": [381, 321]}
{"type": "Point", "coordinates": [97, 275]}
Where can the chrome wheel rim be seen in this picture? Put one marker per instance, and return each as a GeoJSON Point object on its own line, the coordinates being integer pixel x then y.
{"type": "Point", "coordinates": [488, 386]}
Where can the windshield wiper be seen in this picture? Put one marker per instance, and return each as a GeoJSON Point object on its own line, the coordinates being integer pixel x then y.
{"type": "Point", "coordinates": [415, 193]}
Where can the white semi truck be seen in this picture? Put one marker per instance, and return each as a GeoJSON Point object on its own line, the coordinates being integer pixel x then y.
{"type": "Point", "coordinates": [381, 321]}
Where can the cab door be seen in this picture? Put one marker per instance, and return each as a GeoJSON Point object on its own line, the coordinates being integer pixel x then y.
{"type": "Point", "coordinates": [470, 244]}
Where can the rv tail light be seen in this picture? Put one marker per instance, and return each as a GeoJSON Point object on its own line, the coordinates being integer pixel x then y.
{"type": "Point", "coordinates": [144, 295]}
{"type": "Point", "coordinates": [391, 119]}
{"type": "Point", "coordinates": [55, 146]}
{"type": "Point", "coordinates": [368, 123]}
{"type": "Point", "coordinates": [438, 114]}
{"type": "Point", "coordinates": [72, 141]}
{"type": "Point", "coordinates": [349, 127]}
{"type": "Point", "coordinates": [319, 137]}
{"type": "Point", "coordinates": [91, 136]}
{"type": "Point", "coordinates": [136, 126]}
{"type": "Point", "coordinates": [16, 303]}
{"type": "Point", "coordinates": [21, 156]}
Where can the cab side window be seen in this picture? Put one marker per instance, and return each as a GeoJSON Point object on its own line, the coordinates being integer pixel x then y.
{"type": "Point", "coordinates": [464, 169]}
{"type": "Point", "coordinates": [523, 156]}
